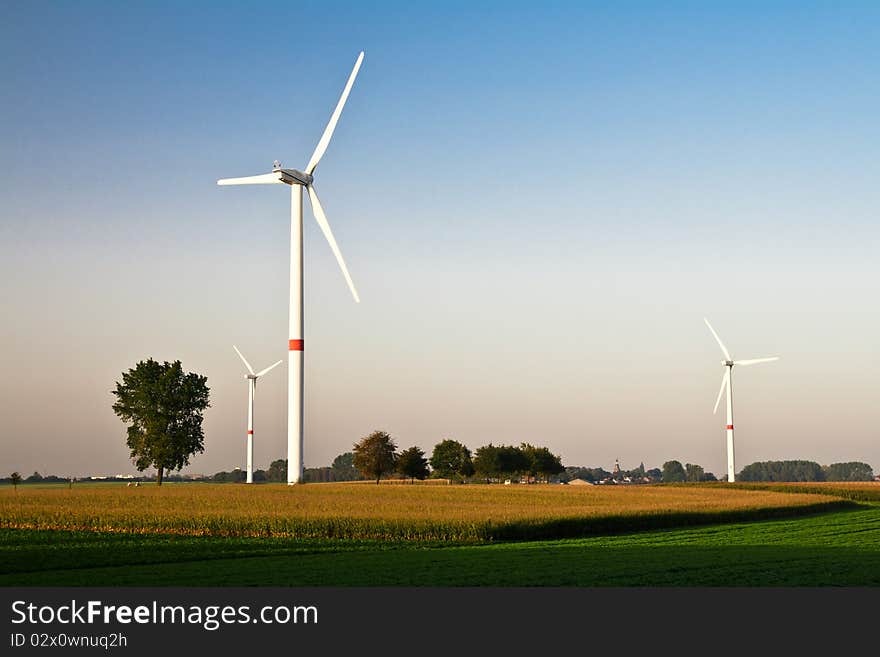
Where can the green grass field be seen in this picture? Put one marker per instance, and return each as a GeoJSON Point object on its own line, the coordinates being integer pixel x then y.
{"type": "Point", "coordinates": [839, 548]}
{"type": "Point", "coordinates": [837, 545]}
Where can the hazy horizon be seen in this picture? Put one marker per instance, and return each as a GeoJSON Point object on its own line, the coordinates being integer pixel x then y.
{"type": "Point", "coordinates": [538, 206]}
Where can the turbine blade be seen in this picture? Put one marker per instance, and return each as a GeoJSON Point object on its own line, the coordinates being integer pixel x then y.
{"type": "Point", "coordinates": [720, 344]}
{"type": "Point", "coordinates": [725, 381]}
{"type": "Point", "coordinates": [321, 218]}
{"type": "Point", "coordinates": [243, 360]}
{"type": "Point", "coordinates": [755, 361]}
{"type": "Point", "coordinates": [262, 179]}
{"type": "Point", "coordinates": [262, 372]}
{"type": "Point", "coordinates": [334, 118]}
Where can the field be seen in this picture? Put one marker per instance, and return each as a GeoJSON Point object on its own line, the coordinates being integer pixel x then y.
{"type": "Point", "coordinates": [362, 535]}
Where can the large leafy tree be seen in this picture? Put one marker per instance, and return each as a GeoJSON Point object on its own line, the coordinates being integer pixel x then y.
{"type": "Point", "coordinates": [512, 460]}
{"type": "Point", "coordinates": [343, 468]}
{"type": "Point", "coordinates": [852, 471]}
{"type": "Point", "coordinates": [451, 459]}
{"type": "Point", "coordinates": [673, 471]}
{"type": "Point", "coordinates": [413, 464]}
{"type": "Point", "coordinates": [375, 455]}
{"type": "Point", "coordinates": [541, 461]}
{"type": "Point", "coordinates": [782, 471]}
{"type": "Point", "coordinates": [694, 472]}
{"type": "Point", "coordinates": [487, 461]}
{"type": "Point", "coordinates": [277, 470]}
{"type": "Point", "coordinates": [162, 406]}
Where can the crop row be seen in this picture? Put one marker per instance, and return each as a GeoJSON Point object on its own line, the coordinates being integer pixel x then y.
{"type": "Point", "coordinates": [347, 512]}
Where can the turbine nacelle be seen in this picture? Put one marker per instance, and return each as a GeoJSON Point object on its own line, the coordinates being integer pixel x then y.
{"type": "Point", "coordinates": [727, 363]}
{"type": "Point", "coordinates": [294, 177]}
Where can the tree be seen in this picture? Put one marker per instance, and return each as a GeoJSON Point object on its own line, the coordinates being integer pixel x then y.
{"type": "Point", "coordinates": [852, 471]}
{"type": "Point", "coordinates": [413, 464]}
{"type": "Point", "coordinates": [541, 461]}
{"type": "Point", "coordinates": [237, 476]}
{"type": "Point", "coordinates": [782, 471]}
{"type": "Point", "coordinates": [34, 478]}
{"type": "Point", "coordinates": [503, 460]}
{"type": "Point", "coordinates": [487, 462]}
{"type": "Point", "coordinates": [673, 471]}
{"type": "Point", "coordinates": [343, 468]}
{"type": "Point", "coordinates": [694, 472]}
{"type": "Point", "coordinates": [163, 407]}
{"type": "Point", "coordinates": [375, 455]}
{"type": "Point", "coordinates": [451, 459]}
{"type": "Point", "coordinates": [15, 479]}
{"type": "Point", "coordinates": [587, 474]}
{"type": "Point", "coordinates": [512, 461]}
{"type": "Point", "coordinates": [277, 471]}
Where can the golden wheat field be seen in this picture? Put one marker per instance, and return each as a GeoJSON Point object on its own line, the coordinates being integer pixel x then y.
{"type": "Point", "coordinates": [358, 511]}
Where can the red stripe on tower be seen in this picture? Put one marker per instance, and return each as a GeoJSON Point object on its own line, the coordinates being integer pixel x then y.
{"type": "Point", "coordinates": [295, 345]}
{"type": "Point", "coordinates": [250, 432]}
{"type": "Point", "coordinates": [730, 427]}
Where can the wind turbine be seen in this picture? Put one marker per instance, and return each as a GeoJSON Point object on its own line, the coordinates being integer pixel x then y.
{"type": "Point", "coordinates": [252, 377]}
{"type": "Point", "coordinates": [727, 383]}
{"type": "Point", "coordinates": [297, 180]}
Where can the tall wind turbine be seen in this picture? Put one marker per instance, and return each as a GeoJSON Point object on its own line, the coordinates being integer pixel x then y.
{"type": "Point", "coordinates": [727, 384]}
{"type": "Point", "coordinates": [252, 377]}
{"type": "Point", "coordinates": [297, 180]}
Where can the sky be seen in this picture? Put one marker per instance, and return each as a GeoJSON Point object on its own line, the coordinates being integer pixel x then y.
{"type": "Point", "coordinates": [538, 203]}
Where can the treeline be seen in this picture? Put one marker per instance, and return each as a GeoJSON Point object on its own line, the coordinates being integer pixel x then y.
{"type": "Point", "coordinates": [671, 472]}
{"type": "Point", "coordinates": [37, 478]}
{"type": "Point", "coordinates": [377, 455]}
{"type": "Point", "coordinates": [806, 471]}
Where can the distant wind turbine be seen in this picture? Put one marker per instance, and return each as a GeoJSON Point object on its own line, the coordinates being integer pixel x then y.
{"type": "Point", "coordinates": [297, 180]}
{"type": "Point", "coordinates": [727, 384]}
{"type": "Point", "coordinates": [252, 377]}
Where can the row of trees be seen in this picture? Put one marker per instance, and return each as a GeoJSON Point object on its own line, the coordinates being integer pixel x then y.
{"type": "Point", "coordinates": [377, 454]}
{"type": "Point", "coordinates": [452, 460]}
{"type": "Point", "coordinates": [674, 471]}
{"type": "Point", "coordinates": [806, 471]}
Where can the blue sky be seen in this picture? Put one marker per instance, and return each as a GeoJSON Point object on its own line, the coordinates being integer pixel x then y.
{"type": "Point", "coordinates": [538, 205]}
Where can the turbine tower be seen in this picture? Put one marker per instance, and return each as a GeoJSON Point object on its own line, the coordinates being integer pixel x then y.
{"type": "Point", "coordinates": [727, 384]}
{"type": "Point", "coordinates": [297, 180]}
{"type": "Point", "coordinates": [252, 377]}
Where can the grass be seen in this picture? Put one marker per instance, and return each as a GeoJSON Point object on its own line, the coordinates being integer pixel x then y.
{"type": "Point", "coordinates": [840, 548]}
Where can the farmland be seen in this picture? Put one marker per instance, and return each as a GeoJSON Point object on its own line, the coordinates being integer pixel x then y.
{"type": "Point", "coordinates": [364, 535]}
{"type": "Point", "coordinates": [390, 513]}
